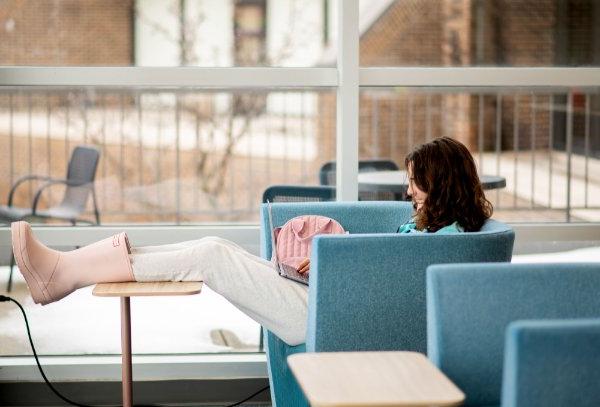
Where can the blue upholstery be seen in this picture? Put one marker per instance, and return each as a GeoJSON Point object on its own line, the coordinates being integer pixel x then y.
{"type": "Point", "coordinates": [367, 289]}
{"type": "Point", "coordinates": [469, 307]}
{"type": "Point", "coordinates": [552, 363]}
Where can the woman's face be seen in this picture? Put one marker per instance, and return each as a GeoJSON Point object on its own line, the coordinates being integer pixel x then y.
{"type": "Point", "coordinates": [417, 196]}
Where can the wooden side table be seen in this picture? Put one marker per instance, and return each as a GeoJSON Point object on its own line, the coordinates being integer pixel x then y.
{"type": "Point", "coordinates": [356, 379]}
{"type": "Point", "coordinates": [134, 289]}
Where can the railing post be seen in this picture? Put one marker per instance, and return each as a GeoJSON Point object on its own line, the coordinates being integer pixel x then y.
{"type": "Point", "coordinates": [498, 141]}
{"type": "Point", "coordinates": [480, 124]}
{"type": "Point", "coordinates": [515, 147]}
{"type": "Point", "coordinates": [569, 148]}
{"type": "Point", "coordinates": [533, 135]}
{"type": "Point", "coordinates": [11, 138]}
{"type": "Point", "coordinates": [587, 147]}
{"type": "Point", "coordinates": [550, 147]}
{"type": "Point", "coordinates": [177, 158]}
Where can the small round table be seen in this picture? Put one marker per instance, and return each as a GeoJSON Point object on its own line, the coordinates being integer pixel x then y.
{"type": "Point", "coordinates": [134, 289]}
{"type": "Point", "coordinates": [397, 182]}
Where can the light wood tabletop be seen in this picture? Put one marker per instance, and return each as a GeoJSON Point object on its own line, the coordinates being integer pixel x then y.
{"type": "Point", "coordinates": [135, 289]}
{"type": "Point", "coordinates": [353, 379]}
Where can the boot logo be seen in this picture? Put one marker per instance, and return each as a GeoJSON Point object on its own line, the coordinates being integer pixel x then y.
{"type": "Point", "coordinates": [116, 241]}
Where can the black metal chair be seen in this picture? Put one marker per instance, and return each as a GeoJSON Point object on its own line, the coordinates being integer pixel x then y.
{"type": "Point", "coordinates": [79, 183]}
{"type": "Point", "coordinates": [327, 177]}
{"type": "Point", "coordinates": [295, 193]}
{"type": "Point", "coordinates": [298, 193]}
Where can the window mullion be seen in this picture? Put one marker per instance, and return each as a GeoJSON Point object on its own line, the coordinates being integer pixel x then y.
{"type": "Point", "coordinates": [347, 101]}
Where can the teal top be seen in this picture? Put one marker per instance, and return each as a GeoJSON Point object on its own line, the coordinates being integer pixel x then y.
{"type": "Point", "coordinates": [411, 227]}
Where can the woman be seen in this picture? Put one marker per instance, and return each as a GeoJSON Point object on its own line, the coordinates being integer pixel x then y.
{"type": "Point", "coordinates": [445, 192]}
{"type": "Point", "coordinates": [445, 189]}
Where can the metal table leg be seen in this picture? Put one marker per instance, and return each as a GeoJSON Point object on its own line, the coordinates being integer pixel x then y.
{"type": "Point", "coordinates": [126, 368]}
{"type": "Point", "coordinates": [125, 291]}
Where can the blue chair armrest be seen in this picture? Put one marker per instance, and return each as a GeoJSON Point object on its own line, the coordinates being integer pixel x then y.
{"type": "Point", "coordinates": [367, 291]}
{"type": "Point", "coordinates": [552, 363]}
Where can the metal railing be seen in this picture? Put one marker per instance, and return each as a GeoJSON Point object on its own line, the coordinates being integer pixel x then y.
{"type": "Point", "coordinates": [169, 156]}
{"type": "Point", "coordinates": [545, 142]}
{"type": "Point", "coordinates": [180, 156]}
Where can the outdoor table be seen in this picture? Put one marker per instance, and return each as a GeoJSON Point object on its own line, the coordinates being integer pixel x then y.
{"type": "Point", "coordinates": [360, 379]}
{"type": "Point", "coordinates": [397, 182]}
{"type": "Point", "coordinates": [134, 289]}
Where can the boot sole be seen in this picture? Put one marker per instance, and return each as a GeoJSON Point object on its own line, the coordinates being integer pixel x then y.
{"type": "Point", "coordinates": [33, 281]}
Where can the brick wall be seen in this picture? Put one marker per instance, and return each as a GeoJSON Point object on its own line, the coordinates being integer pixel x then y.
{"type": "Point", "coordinates": [446, 33]}
{"type": "Point", "coordinates": [409, 33]}
{"type": "Point", "coordinates": [66, 32]}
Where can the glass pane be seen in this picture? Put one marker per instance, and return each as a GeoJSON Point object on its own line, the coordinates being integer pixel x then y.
{"type": "Point", "coordinates": [548, 156]}
{"type": "Point", "coordinates": [166, 156]}
{"type": "Point", "coordinates": [480, 32]}
{"type": "Point", "coordinates": [89, 325]}
{"type": "Point", "coordinates": [161, 32]}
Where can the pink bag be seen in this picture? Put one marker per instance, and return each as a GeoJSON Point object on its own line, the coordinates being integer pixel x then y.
{"type": "Point", "coordinates": [293, 240]}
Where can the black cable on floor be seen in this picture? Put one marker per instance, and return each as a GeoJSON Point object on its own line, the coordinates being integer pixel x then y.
{"type": "Point", "coordinates": [249, 397]}
{"type": "Point", "coordinates": [4, 298]}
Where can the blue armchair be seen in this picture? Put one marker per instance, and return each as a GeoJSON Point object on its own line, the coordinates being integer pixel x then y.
{"type": "Point", "coordinates": [470, 306]}
{"type": "Point", "coordinates": [367, 289]}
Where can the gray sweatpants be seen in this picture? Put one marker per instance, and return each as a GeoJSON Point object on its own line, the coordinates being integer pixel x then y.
{"type": "Point", "coordinates": [247, 281]}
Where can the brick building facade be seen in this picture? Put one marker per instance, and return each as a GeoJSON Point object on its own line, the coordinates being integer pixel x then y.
{"type": "Point", "coordinates": [66, 32]}
{"type": "Point", "coordinates": [467, 33]}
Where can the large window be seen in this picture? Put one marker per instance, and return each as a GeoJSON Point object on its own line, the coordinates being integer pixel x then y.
{"type": "Point", "coordinates": [177, 146]}
{"type": "Point", "coordinates": [166, 156]}
{"type": "Point", "coordinates": [197, 106]}
{"type": "Point", "coordinates": [544, 142]}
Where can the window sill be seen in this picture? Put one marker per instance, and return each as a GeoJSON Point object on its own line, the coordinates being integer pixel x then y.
{"type": "Point", "coordinates": [145, 367]}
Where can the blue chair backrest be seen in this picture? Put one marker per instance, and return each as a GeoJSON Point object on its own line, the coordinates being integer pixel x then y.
{"type": "Point", "coordinates": [552, 363]}
{"type": "Point", "coordinates": [355, 217]}
{"type": "Point", "coordinates": [298, 193]}
{"type": "Point", "coordinates": [391, 281]}
{"type": "Point", "coordinates": [469, 307]}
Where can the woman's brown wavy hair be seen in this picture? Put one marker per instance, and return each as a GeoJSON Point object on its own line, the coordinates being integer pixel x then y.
{"type": "Point", "coordinates": [445, 170]}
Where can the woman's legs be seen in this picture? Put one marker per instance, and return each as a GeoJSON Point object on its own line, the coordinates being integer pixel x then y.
{"type": "Point", "coordinates": [182, 245]}
{"type": "Point", "coordinates": [247, 281]}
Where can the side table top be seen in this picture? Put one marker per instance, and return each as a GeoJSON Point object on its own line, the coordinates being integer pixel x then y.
{"type": "Point", "coordinates": [353, 379]}
{"type": "Point", "coordinates": [135, 289]}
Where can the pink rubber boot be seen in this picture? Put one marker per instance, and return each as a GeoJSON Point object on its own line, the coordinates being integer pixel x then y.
{"type": "Point", "coordinates": [52, 274]}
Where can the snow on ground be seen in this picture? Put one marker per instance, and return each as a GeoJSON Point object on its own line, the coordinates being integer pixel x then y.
{"type": "Point", "coordinates": [84, 324]}
{"type": "Point", "coordinates": [584, 255]}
